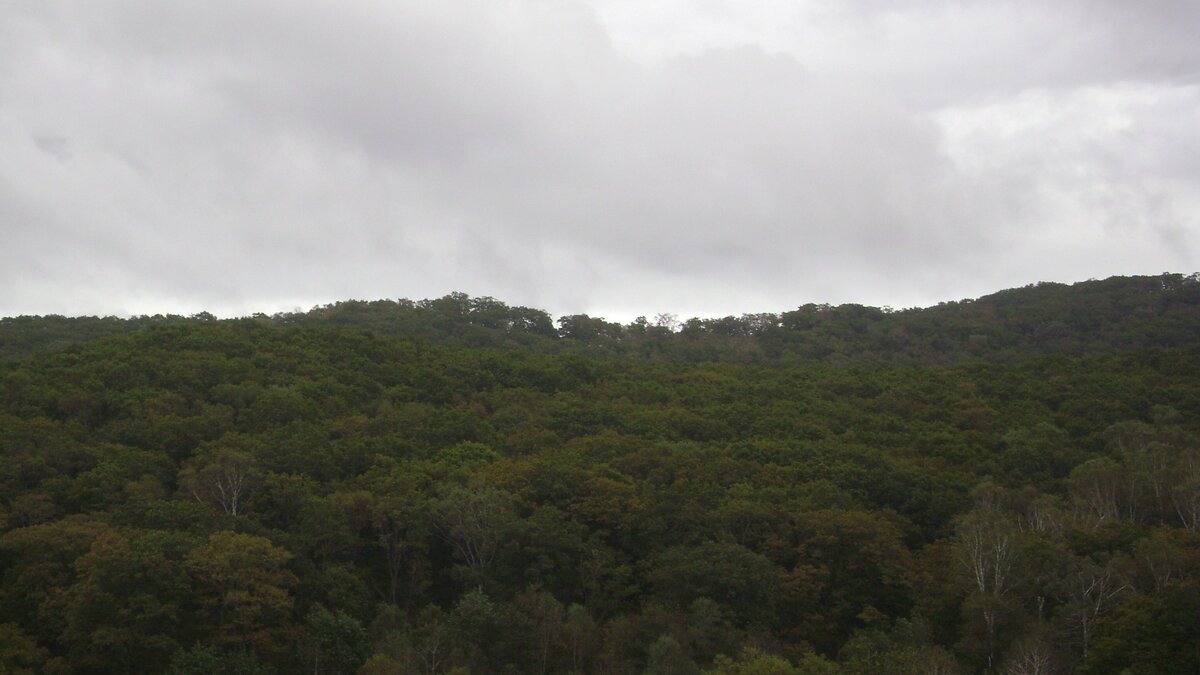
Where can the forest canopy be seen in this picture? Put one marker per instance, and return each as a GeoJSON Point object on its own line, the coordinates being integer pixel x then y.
{"type": "Point", "coordinates": [1007, 484]}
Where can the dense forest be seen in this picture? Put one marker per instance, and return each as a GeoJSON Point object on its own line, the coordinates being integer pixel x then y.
{"type": "Point", "coordinates": [1006, 485]}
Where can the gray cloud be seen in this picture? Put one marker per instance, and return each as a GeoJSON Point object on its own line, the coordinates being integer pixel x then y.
{"type": "Point", "coordinates": [258, 156]}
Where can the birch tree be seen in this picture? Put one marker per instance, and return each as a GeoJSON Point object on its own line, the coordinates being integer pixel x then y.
{"type": "Point", "coordinates": [224, 479]}
{"type": "Point", "coordinates": [987, 550]}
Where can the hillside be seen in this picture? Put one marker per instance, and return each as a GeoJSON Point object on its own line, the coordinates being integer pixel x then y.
{"type": "Point", "coordinates": [457, 485]}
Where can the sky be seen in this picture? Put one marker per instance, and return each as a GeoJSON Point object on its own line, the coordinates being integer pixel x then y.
{"type": "Point", "coordinates": [610, 157]}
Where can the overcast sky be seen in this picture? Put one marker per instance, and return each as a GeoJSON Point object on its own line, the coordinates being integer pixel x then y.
{"type": "Point", "coordinates": [614, 157]}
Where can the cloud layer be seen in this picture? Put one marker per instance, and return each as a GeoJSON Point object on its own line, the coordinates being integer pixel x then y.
{"type": "Point", "coordinates": [596, 157]}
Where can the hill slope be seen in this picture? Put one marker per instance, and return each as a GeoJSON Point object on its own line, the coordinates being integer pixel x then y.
{"type": "Point", "coordinates": [417, 487]}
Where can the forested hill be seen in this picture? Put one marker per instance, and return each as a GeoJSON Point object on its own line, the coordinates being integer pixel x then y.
{"type": "Point", "coordinates": [1092, 317]}
{"type": "Point", "coordinates": [1007, 485]}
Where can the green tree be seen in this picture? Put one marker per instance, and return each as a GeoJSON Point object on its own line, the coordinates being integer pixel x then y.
{"type": "Point", "coordinates": [474, 521]}
{"type": "Point", "coordinates": [1148, 634]}
{"type": "Point", "coordinates": [126, 612]}
{"type": "Point", "coordinates": [736, 578]}
{"type": "Point", "coordinates": [581, 637]}
{"type": "Point", "coordinates": [849, 565]}
{"type": "Point", "coordinates": [41, 567]}
{"type": "Point", "coordinates": [20, 654]}
{"type": "Point", "coordinates": [224, 478]}
{"type": "Point", "coordinates": [202, 660]}
{"type": "Point", "coordinates": [988, 551]}
{"type": "Point", "coordinates": [755, 662]}
{"type": "Point", "coordinates": [542, 617]}
{"type": "Point", "coordinates": [667, 657]}
{"type": "Point", "coordinates": [244, 589]}
{"type": "Point", "coordinates": [335, 643]}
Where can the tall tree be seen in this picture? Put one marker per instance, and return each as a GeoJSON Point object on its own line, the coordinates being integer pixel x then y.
{"type": "Point", "coordinates": [223, 477]}
{"type": "Point", "coordinates": [244, 589]}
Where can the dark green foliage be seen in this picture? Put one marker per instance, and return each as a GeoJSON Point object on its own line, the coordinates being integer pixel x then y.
{"type": "Point", "coordinates": [19, 653]}
{"type": "Point", "coordinates": [334, 643]}
{"type": "Point", "coordinates": [1155, 633]}
{"type": "Point", "coordinates": [740, 581]}
{"type": "Point", "coordinates": [402, 487]}
{"type": "Point", "coordinates": [201, 660]}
